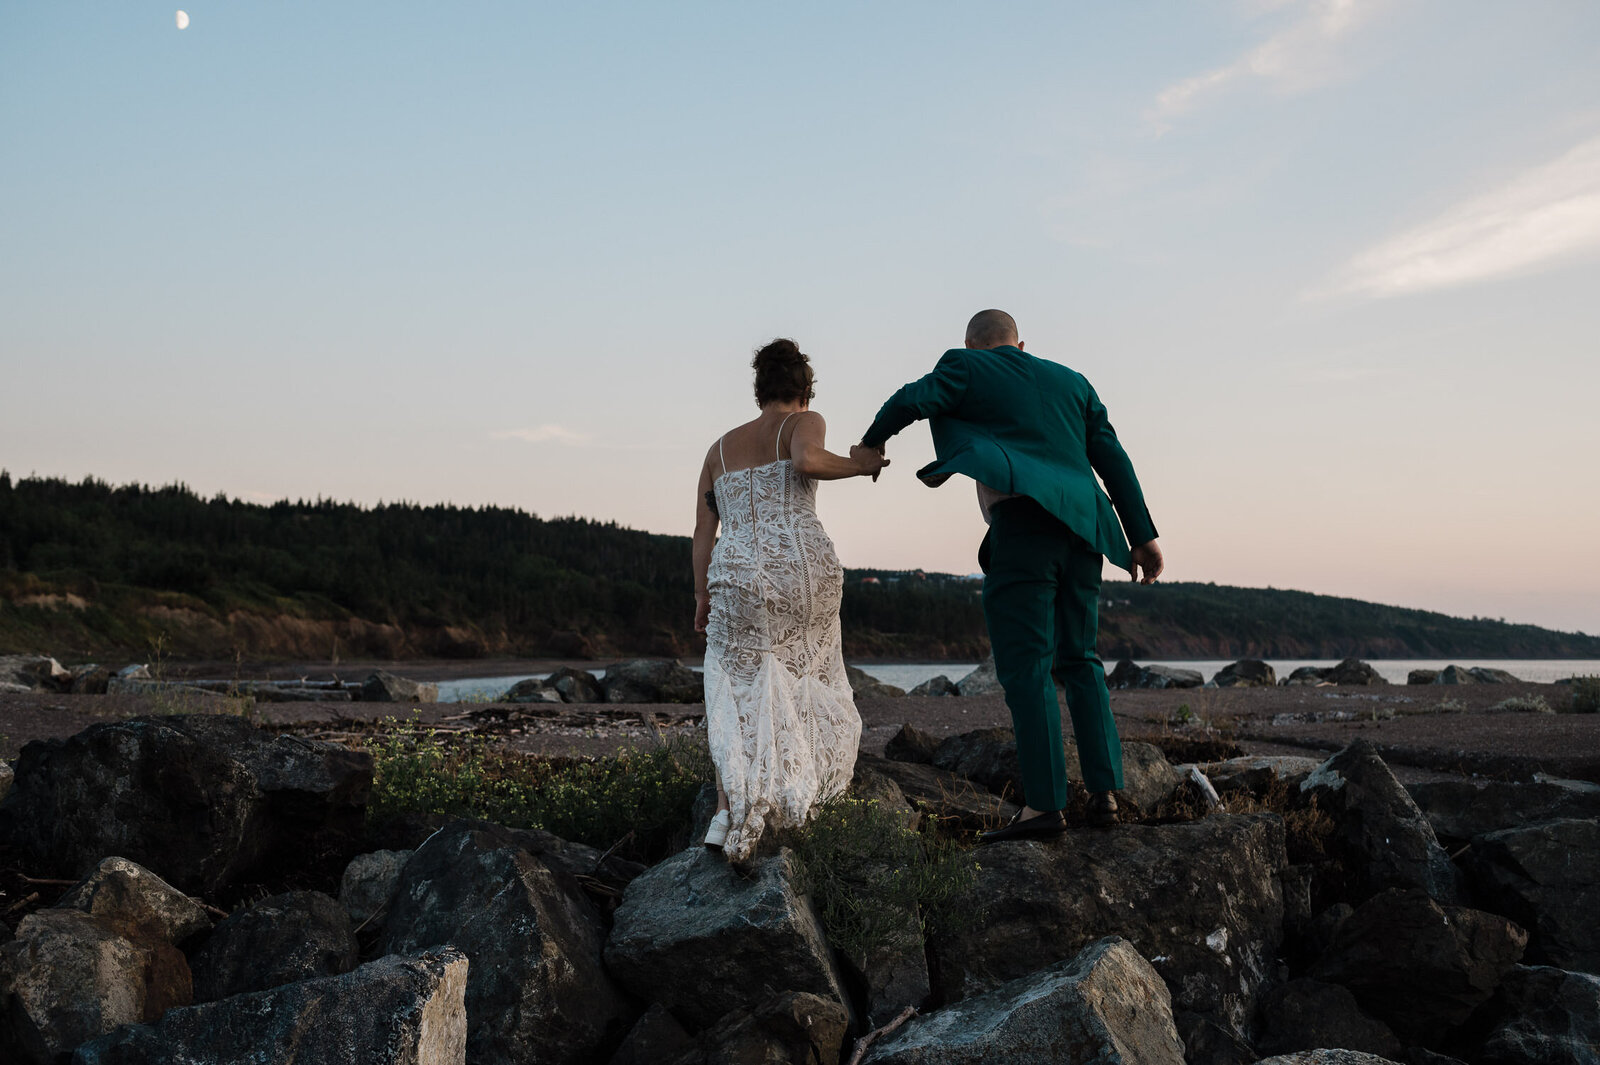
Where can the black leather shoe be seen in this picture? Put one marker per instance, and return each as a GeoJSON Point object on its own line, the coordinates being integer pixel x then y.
{"type": "Point", "coordinates": [1102, 809]}
{"type": "Point", "coordinates": [1041, 826]}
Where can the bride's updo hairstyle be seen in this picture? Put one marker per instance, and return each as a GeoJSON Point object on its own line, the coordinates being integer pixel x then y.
{"type": "Point", "coordinates": [783, 373]}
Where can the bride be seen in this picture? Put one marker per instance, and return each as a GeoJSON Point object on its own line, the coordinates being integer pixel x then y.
{"type": "Point", "coordinates": [780, 718]}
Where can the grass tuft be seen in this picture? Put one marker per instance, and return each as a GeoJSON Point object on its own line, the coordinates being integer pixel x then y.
{"type": "Point", "coordinates": [1585, 696]}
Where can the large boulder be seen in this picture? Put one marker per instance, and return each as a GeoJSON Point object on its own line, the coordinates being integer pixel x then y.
{"type": "Point", "coordinates": [536, 990]}
{"type": "Point", "coordinates": [652, 680]}
{"type": "Point", "coordinates": [1106, 1005]}
{"type": "Point", "coordinates": [398, 1011]}
{"type": "Point", "coordinates": [911, 744]}
{"type": "Point", "coordinates": [369, 883]}
{"type": "Point", "coordinates": [1306, 677]}
{"type": "Point", "coordinates": [532, 690]}
{"type": "Point", "coordinates": [1325, 1056]}
{"type": "Point", "coordinates": [91, 680]}
{"type": "Point", "coordinates": [655, 1038]}
{"type": "Point", "coordinates": [203, 800]}
{"type": "Point", "coordinates": [981, 681]}
{"type": "Point", "coordinates": [1548, 1017]}
{"type": "Point", "coordinates": [576, 685]}
{"type": "Point", "coordinates": [300, 935]}
{"type": "Point", "coordinates": [794, 1027]}
{"type": "Point", "coordinates": [1463, 809]}
{"type": "Point", "coordinates": [951, 800]}
{"type": "Point", "coordinates": [1422, 676]}
{"type": "Point", "coordinates": [1382, 838]}
{"type": "Point", "coordinates": [864, 685]}
{"type": "Point", "coordinates": [936, 686]}
{"type": "Point", "coordinates": [703, 940]}
{"type": "Point", "coordinates": [1487, 675]}
{"type": "Point", "coordinates": [382, 687]}
{"type": "Point", "coordinates": [1455, 675]}
{"type": "Point", "coordinates": [1546, 876]}
{"type": "Point", "coordinates": [1354, 671]}
{"type": "Point", "coordinates": [989, 757]}
{"type": "Point", "coordinates": [1202, 900]}
{"type": "Point", "coordinates": [1420, 967]}
{"type": "Point", "coordinates": [1246, 673]}
{"type": "Point", "coordinates": [1307, 1014]}
{"type": "Point", "coordinates": [70, 976]}
{"type": "Point", "coordinates": [34, 673]}
{"type": "Point", "coordinates": [136, 903]}
{"type": "Point", "coordinates": [1129, 674]}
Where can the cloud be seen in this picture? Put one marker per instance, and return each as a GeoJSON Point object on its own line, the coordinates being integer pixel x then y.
{"type": "Point", "coordinates": [1299, 56]}
{"type": "Point", "coordinates": [544, 434]}
{"type": "Point", "coordinates": [1547, 216]}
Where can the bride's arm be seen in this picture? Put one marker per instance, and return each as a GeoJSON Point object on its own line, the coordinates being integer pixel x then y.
{"type": "Point", "coordinates": [705, 537]}
{"type": "Point", "coordinates": [813, 460]}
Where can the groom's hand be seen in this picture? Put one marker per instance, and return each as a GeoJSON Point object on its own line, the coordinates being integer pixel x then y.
{"type": "Point", "coordinates": [872, 460]}
{"type": "Point", "coordinates": [1147, 556]}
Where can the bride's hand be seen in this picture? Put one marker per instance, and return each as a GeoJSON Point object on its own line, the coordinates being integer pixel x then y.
{"type": "Point", "coordinates": [870, 459]}
{"type": "Point", "coordinates": [702, 611]}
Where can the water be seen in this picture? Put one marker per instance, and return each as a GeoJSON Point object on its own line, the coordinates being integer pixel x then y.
{"type": "Point", "coordinates": [908, 676]}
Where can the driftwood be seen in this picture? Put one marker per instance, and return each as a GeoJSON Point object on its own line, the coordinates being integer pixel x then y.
{"type": "Point", "coordinates": [865, 1041]}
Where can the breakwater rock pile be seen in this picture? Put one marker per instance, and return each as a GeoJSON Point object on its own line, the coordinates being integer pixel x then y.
{"type": "Point", "coordinates": [1317, 911]}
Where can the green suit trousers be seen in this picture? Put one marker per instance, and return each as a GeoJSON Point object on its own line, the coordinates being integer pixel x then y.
{"type": "Point", "coordinates": [1041, 599]}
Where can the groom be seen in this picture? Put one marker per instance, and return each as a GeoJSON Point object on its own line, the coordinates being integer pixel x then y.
{"type": "Point", "coordinates": [1033, 434]}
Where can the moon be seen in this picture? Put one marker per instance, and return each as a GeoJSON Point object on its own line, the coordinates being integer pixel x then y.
{"type": "Point", "coordinates": [183, 20]}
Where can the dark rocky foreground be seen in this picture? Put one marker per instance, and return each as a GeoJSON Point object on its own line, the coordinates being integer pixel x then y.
{"type": "Point", "coordinates": [1313, 909]}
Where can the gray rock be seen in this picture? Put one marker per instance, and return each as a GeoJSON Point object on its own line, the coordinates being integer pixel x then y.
{"type": "Point", "coordinates": [981, 681]}
{"type": "Point", "coordinates": [202, 800]}
{"type": "Point", "coordinates": [1129, 674]}
{"type": "Point", "coordinates": [864, 685]}
{"type": "Point", "coordinates": [576, 685]}
{"type": "Point", "coordinates": [794, 1027]}
{"type": "Point", "coordinates": [536, 990]}
{"type": "Point", "coordinates": [369, 884]}
{"type": "Point", "coordinates": [91, 680]}
{"type": "Point", "coordinates": [1383, 839]}
{"type": "Point", "coordinates": [1202, 900]}
{"type": "Point", "coordinates": [1455, 675]}
{"type": "Point", "coordinates": [382, 687]}
{"type": "Point", "coordinates": [1551, 1017]}
{"type": "Point", "coordinates": [989, 757]}
{"type": "Point", "coordinates": [652, 680]}
{"type": "Point", "coordinates": [397, 1011]}
{"type": "Point", "coordinates": [136, 903]}
{"type": "Point", "coordinates": [1327, 1057]}
{"type": "Point", "coordinates": [1353, 671]}
{"type": "Point", "coordinates": [1546, 876]}
{"type": "Point", "coordinates": [532, 690]}
{"type": "Point", "coordinates": [911, 744]}
{"type": "Point", "coordinates": [1485, 675]}
{"type": "Point", "coordinates": [68, 977]}
{"type": "Point", "coordinates": [1422, 676]}
{"type": "Point", "coordinates": [655, 1038]}
{"type": "Point", "coordinates": [702, 940]}
{"type": "Point", "coordinates": [953, 801]}
{"type": "Point", "coordinates": [1257, 774]}
{"type": "Point", "coordinates": [34, 673]}
{"type": "Point", "coordinates": [301, 935]}
{"type": "Point", "coordinates": [6, 776]}
{"type": "Point", "coordinates": [1149, 781]}
{"type": "Point", "coordinates": [1463, 809]}
{"type": "Point", "coordinates": [936, 686]}
{"type": "Point", "coordinates": [1246, 673]}
{"type": "Point", "coordinates": [135, 671]}
{"type": "Point", "coordinates": [1306, 677]}
{"type": "Point", "coordinates": [1420, 967]}
{"type": "Point", "coordinates": [870, 785]}
{"type": "Point", "coordinates": [1106, 1005]}
{"type": "Point", "coordinates": [1307, 1014]}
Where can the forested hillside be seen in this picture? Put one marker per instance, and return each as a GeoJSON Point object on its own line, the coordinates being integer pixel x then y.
{"type": "Point", "coordinates": [89, 569]}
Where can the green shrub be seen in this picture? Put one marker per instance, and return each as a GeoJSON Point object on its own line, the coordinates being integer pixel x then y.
{"type": "Point", "coordinates": [646, 792]}
{"type": "Point", "coordinates": [1585, 695]}
{"type": "Point", "coordinates": [876, 883]}
{"type": "Point", "coordinates": [1527, 704]}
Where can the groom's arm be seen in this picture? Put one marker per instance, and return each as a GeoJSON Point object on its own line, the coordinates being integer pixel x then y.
{"type": "Point", "coordinates": [937, 393]}
{"type": "Point", "coordinates": [1111, 462]}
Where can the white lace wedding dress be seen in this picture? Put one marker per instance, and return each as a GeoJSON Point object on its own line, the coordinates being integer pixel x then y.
{"type": "Point", "coordinates": [780, 716]}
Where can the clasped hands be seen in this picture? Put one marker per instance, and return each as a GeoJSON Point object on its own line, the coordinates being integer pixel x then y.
{"type": "Point", "coordinates": [872, 460]}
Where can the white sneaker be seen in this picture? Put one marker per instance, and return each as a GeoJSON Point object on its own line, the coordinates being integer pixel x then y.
{"type": "Point", "coordinates": [719, 830]}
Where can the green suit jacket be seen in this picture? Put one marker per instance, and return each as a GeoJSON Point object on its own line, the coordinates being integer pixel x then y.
{"type": "Point", "coordinates": [1030, 427]}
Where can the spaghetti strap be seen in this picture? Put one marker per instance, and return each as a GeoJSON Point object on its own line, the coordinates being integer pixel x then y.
{"type": "Point", "coordinates": [720, 456]}
{"type": "Point", "coordinates": [777, 445]}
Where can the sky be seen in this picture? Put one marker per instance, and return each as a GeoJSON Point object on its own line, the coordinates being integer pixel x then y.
{"type": "Point", "coordinates": [1332, 265]}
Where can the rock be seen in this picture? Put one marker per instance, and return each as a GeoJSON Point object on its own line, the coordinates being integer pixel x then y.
{"type": "Point", "coordinates": [532, 690]}
{"type": "Point", "coordinates": [655, 1038]}
{"type": "Point", "coordinates": [204, 800]}
{"type": "Point", "coordinates": [576, 685]}
{"type": "Point", "coordinates": [865, 686]}
{"type": "Point", "coordinates": [1455, 675]}
{"type": "Point", "coordinates": [398, 1011]}
{"type": "Point", "coordinates": [368, 885]}
{"type": "Point", "coordinates": [911, 744]}
{"type": "Point", "coordinates": [1381, 836]}
{"type": "Point", "coordinates": [1307, 1014]}
{"type": "Point", "coordinates": [69, 976]}
{"type": "Point", "coordinates": [1354, 671]}
{"type": "Point", "coordinates": [895, 976]}
{"type": "Point", "coordinates": [1327, 1057]}
{"type": "Point", "coordinates": [136, 903]}
{"type": "Point", "coordinates": [135, 671]}
{"type": "Point", "coordinates": [1422, 676]}
{"type": "Point", "coordinates": [301, 935]}
{"type": "Point", "coordinates": [1129, 674]}
{"type": "Point", "coordinates": [1485, 675]}
{"type": "Point", "coordinates": [1246, 673]}
{"type": "Point", "coordinates": [34, 673]}
{"type": "Point", "coordinates": [981, 681]}
{"type": "Point", "coordinates": [952, 800]}
{"type": "Point", "coordinates": [870, 785]}
{"type": "Point", "coordinates": [1201, 900]}
{"type": "Point", "coordinates": [1462, 809]}
{"type": "Point", "coordinates": [1149, 781]}
{"type": "Point", "coordinates": [703, 940]}
{"type": "Point", "coordinates": [6, 775]}
{"type": "Point", "coordinates": [1546, 876]}
{"type": "Point", "coordinates": [988, 757]}
{"type": "Point", "coordinates": [1551, 1017]}
{"type": "Point", "coordinates": [381, 687]}
{"type": "Point", "coordinates": [1256, 774]}
{"type": "Point", "coordinates": [652, 680]}
{"type": "Point", "coordinates": [1419, 966]}
{"type": "Point", "coordinates": [536, 989]}
{"type": "Point", "coordinates": [91, 680]}
{"type": "Point", "coordinates": [1106, 1005]}
{"type": "Point", "coordinates": [1306, 677]}
{"type": "Point", "coordinates": [936, 686]}
{"type": "Point", "coordinates": [792, 1027]}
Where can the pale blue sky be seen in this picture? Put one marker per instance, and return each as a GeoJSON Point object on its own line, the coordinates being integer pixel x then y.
{"type": "Point", "coordinates": [1331, 265]}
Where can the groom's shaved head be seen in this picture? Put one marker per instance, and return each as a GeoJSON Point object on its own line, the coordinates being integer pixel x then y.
{"type": "Point", "coordinates": [991, 329]}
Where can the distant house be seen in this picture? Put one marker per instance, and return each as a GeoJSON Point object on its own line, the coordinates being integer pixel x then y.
{"type": "Point", "coordinates": [870, 580]}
